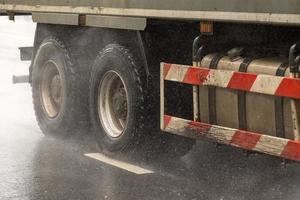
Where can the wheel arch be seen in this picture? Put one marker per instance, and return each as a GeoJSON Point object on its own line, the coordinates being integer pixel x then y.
{"type": "Point", "coordinates": [86, 42]}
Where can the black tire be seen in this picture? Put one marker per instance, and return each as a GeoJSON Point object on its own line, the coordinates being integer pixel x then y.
{"type": "Point", "coordinates": [69, 115]}
{"type": "Point", "coordinates": [118, 59]}
{"type": "Point", "coordinates": [141, 134]}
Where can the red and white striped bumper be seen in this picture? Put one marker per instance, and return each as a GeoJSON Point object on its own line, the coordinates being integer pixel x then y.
{"type": "Point", "coordinates": [275, 146]}
{"type": "Point", "coordinates": [263, 84]}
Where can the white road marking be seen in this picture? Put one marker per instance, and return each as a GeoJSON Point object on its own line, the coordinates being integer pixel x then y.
{"type": "Point", "coordinates": [122, 165]}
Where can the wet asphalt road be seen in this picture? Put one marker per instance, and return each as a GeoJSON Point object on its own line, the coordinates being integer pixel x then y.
{"type": "Point", "coordinates": [33, 166]}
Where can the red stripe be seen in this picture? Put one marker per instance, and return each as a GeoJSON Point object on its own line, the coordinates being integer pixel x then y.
{"type": "Point", "coordinates": [289, 88]}
{"type": "Point", "coordinates": [245, 140]}
{"type": "Point", "coordinates": [167, 120]}
{"type": "Point", "coordinates": [292, 150]}
{"type": "Point", "coordinates": [167, 68]}
{"type": "Point", "coordinates": [196, 76]}
{"type": "Point", "coordinates": [199, 127]}
{"type": "Point", "coordinates": [241, 81]}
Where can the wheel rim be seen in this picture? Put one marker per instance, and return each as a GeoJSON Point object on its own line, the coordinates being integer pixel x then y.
{"type": "Point", "coordinates": [51, 89]}
{"type": "Point", "coordinates": [113, 104]}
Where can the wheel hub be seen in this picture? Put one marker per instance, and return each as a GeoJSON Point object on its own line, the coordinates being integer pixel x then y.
{"type": "Point", "coordinates": [51, 89]}
{"type": "Point", "coordinates": [55, 89]}
{"type": "Point", "coordinates": [113, 104]}
{"type": "Point", "coordinates": [120, 103]}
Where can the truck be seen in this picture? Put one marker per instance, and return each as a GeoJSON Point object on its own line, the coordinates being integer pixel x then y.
{"type": "Point", "coordinates": [162, 74]}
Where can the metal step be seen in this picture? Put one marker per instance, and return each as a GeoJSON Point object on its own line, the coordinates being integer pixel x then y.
{"type": "Point", "coordinates": [26, 53]}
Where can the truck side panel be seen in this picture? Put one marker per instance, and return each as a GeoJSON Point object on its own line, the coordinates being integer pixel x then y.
{"type": "Point", "coordinates": [287, 12]}
{"type": "Point", "coordinates": [255, 6]}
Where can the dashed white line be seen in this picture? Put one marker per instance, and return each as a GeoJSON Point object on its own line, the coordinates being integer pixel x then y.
{"type": "Point", "coordinates": [119, 164]}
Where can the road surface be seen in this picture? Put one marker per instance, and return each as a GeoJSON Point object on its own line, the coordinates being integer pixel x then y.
{"type": "Point", "coordinates": [36, 167]}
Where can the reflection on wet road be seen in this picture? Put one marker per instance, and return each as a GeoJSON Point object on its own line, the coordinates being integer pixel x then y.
{"type": "Point", "coordinates": [36, 167]}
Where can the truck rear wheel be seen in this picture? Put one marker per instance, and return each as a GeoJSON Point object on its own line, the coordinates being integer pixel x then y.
{"type": "Point", "coordinates": [120, 108]}
{"type": "Point", "coordinates": [116, 100]}
{"type": "Point", "coordinates": [54, 88]}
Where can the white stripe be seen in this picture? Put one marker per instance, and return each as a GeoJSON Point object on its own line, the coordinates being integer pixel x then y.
{"type": "Point", "coordinates": [221, 134]}
{"type": "Point", "coordinates": [219, 78]}
{"type": "Point", "coordinates": [271, 145]}
{"type": "Point", "coordinates": [266, 84]}
{"type": "Point", "coordinates": [176, 73]}
{"type": "Point", "coordinates": [179, 127]}
{"type": "Point", "coordinates": [177, 124]}
{"type": "Point", "coordinates": [122, 165]}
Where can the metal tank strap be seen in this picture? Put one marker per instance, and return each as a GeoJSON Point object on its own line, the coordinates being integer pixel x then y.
{"type": "Point", "coordinates": [279, 105]}
{"type": "Point", "coordinates": [242, 97]}
{"type": "Point", "coordinates": [212, 92]}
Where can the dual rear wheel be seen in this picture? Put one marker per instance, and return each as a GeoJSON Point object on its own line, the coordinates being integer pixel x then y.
{"type": "Point", "coordinates": [54, 82]}
{"type": "Point", "coordinates": [116, 94]}
{"type": "Point", "coordinates": [117, 100]}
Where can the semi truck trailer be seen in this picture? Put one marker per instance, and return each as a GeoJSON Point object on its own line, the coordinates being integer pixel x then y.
{"type": "Point", "coordinates": [140, 73]}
